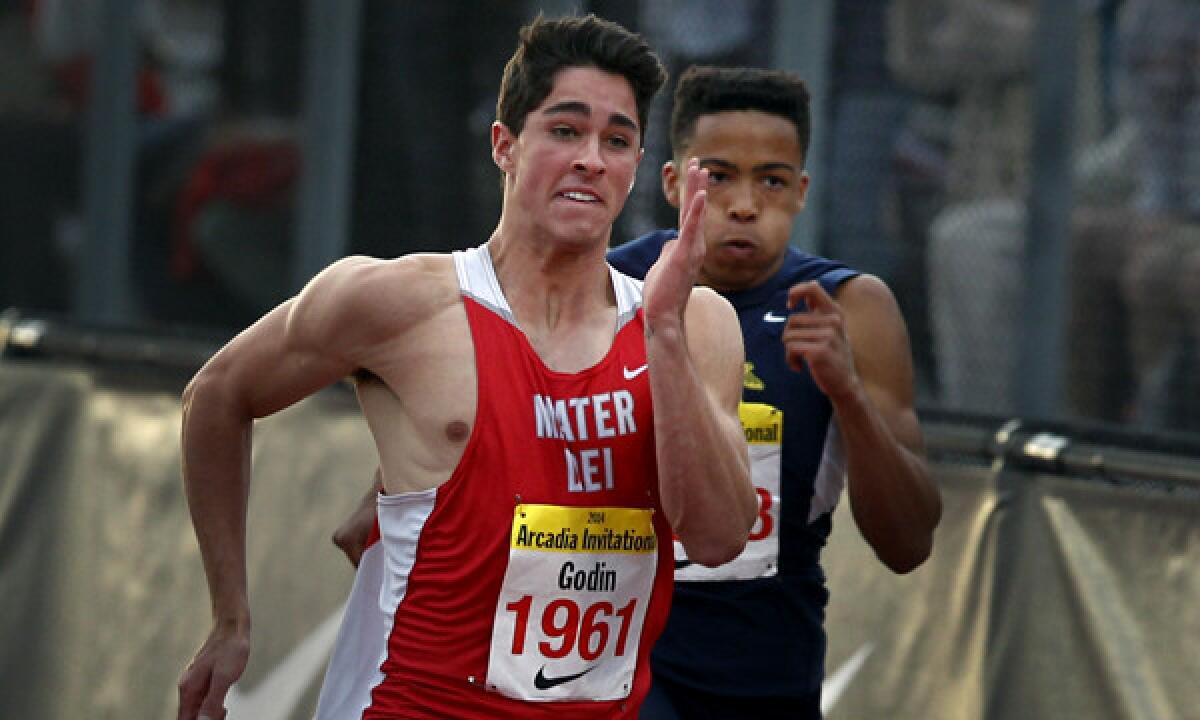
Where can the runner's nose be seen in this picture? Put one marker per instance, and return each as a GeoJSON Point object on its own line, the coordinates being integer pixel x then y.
{"type": "Point", "coordinates": [589, 161]}
{"type": "Point", "coordinates": [742, 203]}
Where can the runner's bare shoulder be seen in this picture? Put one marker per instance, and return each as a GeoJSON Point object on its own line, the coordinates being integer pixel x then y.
{"type": "Point", "coordinates": [361, 300]}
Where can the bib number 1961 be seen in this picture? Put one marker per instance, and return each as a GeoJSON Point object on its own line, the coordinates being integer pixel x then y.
{"type": "Point", "coordinates": [566, 626]}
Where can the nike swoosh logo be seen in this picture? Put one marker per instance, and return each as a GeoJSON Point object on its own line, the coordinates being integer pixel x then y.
{"type": "Point", "coordinates": [773, 318]}
{"type": "Point", "coordinates": [631, 374]}
{"type": "Point", "coordinates": [681, 564]}
{"type": "Point", "coordinates": [541, 682]}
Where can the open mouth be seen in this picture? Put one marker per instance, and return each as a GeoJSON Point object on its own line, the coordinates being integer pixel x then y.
{"type": "Point", "coordinates": [579, 196]}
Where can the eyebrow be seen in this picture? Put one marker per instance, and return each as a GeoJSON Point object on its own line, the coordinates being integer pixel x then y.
{"type": "Point", "coordinates": [762, 167]}
{"type": "Point", "coordinates": [575, 107]}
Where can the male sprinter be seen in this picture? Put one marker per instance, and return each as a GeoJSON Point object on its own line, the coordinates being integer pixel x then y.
{"type": "Point", "coordinates": [543, 422]}
{"type": "Point", "coordinates": [827, 401]}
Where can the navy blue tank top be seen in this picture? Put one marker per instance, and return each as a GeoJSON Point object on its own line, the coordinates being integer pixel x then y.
{"type": "Point", "coordinates": [756, 626]}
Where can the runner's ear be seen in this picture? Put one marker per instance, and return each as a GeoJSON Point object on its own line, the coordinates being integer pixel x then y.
{"type": "Point", "coordinates": [670, 182]}
{"type": "Point", "coordinates": [503, 142]}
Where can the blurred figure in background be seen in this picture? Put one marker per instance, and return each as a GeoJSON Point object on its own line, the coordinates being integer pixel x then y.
{"type": "Point", "coordinates": [48, 66]}
{"type": "Point", "coordinates": [1130, 346]}
{"type": "Point", "coordinates": [231, 223]}
{"type": "Point", "coordinates": [1160, 51]}
{"type": "Point", "coordinates": [980, 59]}
{"type": "Point", "coordinates": [919, 162]}
{"type": "Point", "coordinates": [40, 159]}
{"type": "Point", "coordinates": [218, 235]}
{"type": "Point", "coordinates": [978, 52]}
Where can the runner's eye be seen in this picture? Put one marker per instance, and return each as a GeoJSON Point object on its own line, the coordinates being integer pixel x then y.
{"type": "Point", "coordinates": [620, 142]}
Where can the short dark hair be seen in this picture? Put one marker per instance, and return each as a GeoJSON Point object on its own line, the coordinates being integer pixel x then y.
{"type": "Point", "coordinates": [704, 90]}
{"type": "Point", "coordinates": [547, 46]}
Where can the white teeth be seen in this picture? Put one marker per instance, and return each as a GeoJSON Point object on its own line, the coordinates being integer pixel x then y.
{"type": "Point", "coordinates": [581, 197]}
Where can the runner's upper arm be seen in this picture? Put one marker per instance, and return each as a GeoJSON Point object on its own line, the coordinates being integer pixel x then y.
{"type": "Point", "coordinates": [303, 345]}
{"type": "Point", "coordinates": [715, 345]}
{"type": "Point", "coordinates": [882, 354]}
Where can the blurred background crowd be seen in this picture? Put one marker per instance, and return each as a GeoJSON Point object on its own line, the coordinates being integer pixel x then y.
{"type": "Point", "coordinates": [958, 144]}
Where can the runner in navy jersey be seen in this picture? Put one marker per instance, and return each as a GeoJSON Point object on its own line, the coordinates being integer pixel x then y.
{"type": "Point", "coordinates": [827, 403]}
{"type": "Point", "coordinates": [827, 406]}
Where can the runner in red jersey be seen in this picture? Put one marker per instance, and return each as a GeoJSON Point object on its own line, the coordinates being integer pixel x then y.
{"type": "Point", "coordinates": [544, 542]}
{"type": "Point", "coordinates": [530, 486]}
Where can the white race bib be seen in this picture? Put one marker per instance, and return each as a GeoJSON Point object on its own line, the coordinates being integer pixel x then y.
{"type": "Point", "coordinates": [569, 618]}
{"type": "Point", "coordinates": [763, 426]}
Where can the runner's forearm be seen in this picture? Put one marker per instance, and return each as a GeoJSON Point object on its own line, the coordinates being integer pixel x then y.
{"type": "Point", "coordinates": [703, 467]}
{"type": "Point", "coordinates": [216, 458]}
{"type": "Point", "coordinates": [894, 501]}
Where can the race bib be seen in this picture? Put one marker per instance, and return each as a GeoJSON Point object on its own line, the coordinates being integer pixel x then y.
{"type": "Point", "coordinates": [763, 426]}
{"type": "Point", "coordinates": [569, 618]}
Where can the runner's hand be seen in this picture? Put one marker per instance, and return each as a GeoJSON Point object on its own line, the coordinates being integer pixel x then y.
{"type": "Point", "coordinates": [219, 663]}
{"type": "Point", "coordinates": [669, 282]}
{"type": "Point", "coordinates": [351, 536]}
{"type": "Point", "coordinates": [816, 335]}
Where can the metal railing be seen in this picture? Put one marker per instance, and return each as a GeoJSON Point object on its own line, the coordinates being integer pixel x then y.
{"type": "Point", "coordinates": [1074, 450]}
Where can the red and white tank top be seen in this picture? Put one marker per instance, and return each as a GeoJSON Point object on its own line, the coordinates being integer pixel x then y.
{"type": "Point", "coordinates": [533, 583]}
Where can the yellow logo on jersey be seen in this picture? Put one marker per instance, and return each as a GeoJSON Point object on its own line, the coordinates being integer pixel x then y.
{"type": "Point", "coordinates": [750, 381]}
